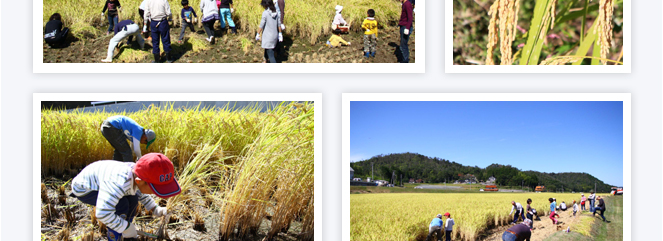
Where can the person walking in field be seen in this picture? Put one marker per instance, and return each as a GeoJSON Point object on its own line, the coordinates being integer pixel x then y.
{"type": "Point", "coordinates": [124, 29]}
{"type": "Point", "coordinates": [115, 188]}
{"type": "Point", "coordinates": [113, 7]}
{"type": "Point", "coordinates": [54, 34]}
{"type": "Point", "coordinates": [406, 23]}
{"type": "Point", "coordinates": [339, 22]}
{"type": "Point", "coordinates": [370, 27]}
{"type": "Point", "coordinates": [600, 206]}
{"type": "Point", "coordinates": [210, 15]}
{"type": "Point", "coordinates": [187, 15]}
{"type": "Point", "coordinates": [269, 27]}
{"type": "Point", "coordinates": [519, 232]}
{"type": "Point", "coordinates": [591, 198]}
{"type": "Point", "coordinates": [575, 207]}
{"type": "Point", "coordinates": [435, 228]}
{"type": "Point", "coordinates": [519, 211]}
{"type": "Point", "coordinates": [118, 129]}
{"type": "Point", "coordinates": [552, 211]}
{"type": "Point", "coordinates": [226, 9]}
{"type": "Point", "coordinates": [448, 226]}
{"type": "Point", "coordinates": [582, 202]}
{"type": "Point", "coordinates": [158, 12]}
{"type": "Point", "coordinates": [556, 207]}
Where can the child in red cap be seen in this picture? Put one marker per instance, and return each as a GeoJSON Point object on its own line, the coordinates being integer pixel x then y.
{"type": "Point", "coordinates": [448, 226]}
{"type": "Point", "coordinates": [116, 187]}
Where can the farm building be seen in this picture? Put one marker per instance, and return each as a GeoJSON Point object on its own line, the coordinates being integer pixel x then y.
{"type": "Point", "coordinates": [352, 173]}
{"type": "Point", "coordinates": [491, 188]}
{"type": "Point", "coordinates": [540, 188]}
{"type": "Point", "coordinates": [491, 180]}
{"type": "Point", "coordinates": [411, 180]}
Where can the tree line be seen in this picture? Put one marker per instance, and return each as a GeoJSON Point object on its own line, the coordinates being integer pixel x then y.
{"type": "Point", "coordinates": [436, 170]}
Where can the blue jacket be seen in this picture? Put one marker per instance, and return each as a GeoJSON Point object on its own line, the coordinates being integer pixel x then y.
{"type": "Point", "coordinates": [436, 222]}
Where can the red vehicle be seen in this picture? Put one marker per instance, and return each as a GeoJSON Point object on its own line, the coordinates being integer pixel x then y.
{"type": "Point", "coordinates": [491, 188]}
{"type": "Point", "coordinates": [617, 191]}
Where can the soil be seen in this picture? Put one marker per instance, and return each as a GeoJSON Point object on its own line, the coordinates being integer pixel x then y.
{"type": "Point", "coordinates": [542, 228]}
{"type": "Point", "coordinates": [231, 48]}
{"type": "Point", "coordinates": [180, 228]}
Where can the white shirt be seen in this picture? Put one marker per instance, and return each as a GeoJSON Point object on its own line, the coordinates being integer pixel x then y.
{"type": "Point", "coordinates": [518, 207]}
{"type": "Point", "coordinates": [157, 10]}
{"type": "Point", "coordinates": [113, 180]}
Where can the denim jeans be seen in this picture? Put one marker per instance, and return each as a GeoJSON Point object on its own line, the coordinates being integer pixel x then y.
{"type": "Point", "coordinates": [404, 44]}
{"type": "Point", "coordinates": [508, 236]}
{"type": "Point", "coordinates": [601, 213]}
{"type": "Point", "coordinates": [269, 56]}
{"type": "Point", "coordinates": [591, 205]}
{"type": "Point", "coordinates": [226, 16]}
{"type": "Point", "coordinates": [112, 20]}
{"type": "Point", "coordinates": [184, 25]}
{"type": "Point", "coordinates": [447, 235]}
{"type": "Point", "coordinates": [118, 140]}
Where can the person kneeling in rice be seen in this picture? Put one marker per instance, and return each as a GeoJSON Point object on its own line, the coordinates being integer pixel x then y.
{"type": "Point", "coordinates": [336, 40]}
{"type": "Point", "coordinates": [124, 29]}
{"type": "Point", "coordinates": [435, 227]}
{"type": "Point", "coordinates": [115, 188]}
{"type": "Point", "coordinates": [339, 22]}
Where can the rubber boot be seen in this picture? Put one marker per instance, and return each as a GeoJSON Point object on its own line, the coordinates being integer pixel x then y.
{"type": "Point", "coordinates": [373, 54]}
{"type": "Point", "coordinates": [367, 54]}
{"type": "Point", "coordinates": [169, 57]}
{"type": "Point", "coordinates": [157, 58]}
{"type": "Point", "coordinates": [234, 30]}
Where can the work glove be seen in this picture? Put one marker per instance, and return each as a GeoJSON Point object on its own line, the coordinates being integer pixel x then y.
{"type": "Point", "coordinates": [102, 14]}
{"type": "Point", "coordinates": [232, 10]}
{"type": "Point", "coordinates": [406, 31]}
{"type": "Point", "coordinates": [160, 211]}
{"type": "Point", "coordinates": [282, 26]}
{"type": "Point", "coordinates": [145, 28]}
{"type": "Point", "coordinates": [280, 37]}
{"type": "Point", "coordinates": [258, 37]}
{"type": "Point", "coordinates": [195, 20]}
{"type": "Point", "coordinates": [130, 232]}
{"type": "Point", "coordinates": [349, 43]}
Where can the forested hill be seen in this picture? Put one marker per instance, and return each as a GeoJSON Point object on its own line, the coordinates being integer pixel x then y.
{"type": "Point", "coordinates": [436, 170]}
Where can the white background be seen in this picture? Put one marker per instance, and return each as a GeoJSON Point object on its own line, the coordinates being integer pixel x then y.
{"type": "Point", "coordinates": [18, 84]}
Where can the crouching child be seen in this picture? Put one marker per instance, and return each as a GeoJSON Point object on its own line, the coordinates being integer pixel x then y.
{"type": "Point", "coordinates": [115, 188]}
{"type": "Point", "coordinates": [336, 40]}
{"type": "Point", "coordinates": [124, 29]}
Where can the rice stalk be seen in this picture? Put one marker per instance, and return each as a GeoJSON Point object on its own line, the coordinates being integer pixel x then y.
{"type": "Point", "coordinates": [504, 18]}
{"type": "Point", "coordinates": [64, 234]}
{"type": "Point", "coordinates": [604, 27]}
{"type": "Point", "coordinates": [44, 193]}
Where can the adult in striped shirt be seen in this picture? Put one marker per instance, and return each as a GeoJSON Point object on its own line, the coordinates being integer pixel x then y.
{"type": "Point", "coordinates": [115, 188]}
{"type": "Point", "coordinates": [118, 129]}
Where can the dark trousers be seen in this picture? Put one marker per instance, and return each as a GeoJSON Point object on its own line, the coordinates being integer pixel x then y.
{"type": "Point", "coordinates": [601, 212]}
{"type": "Point", "coordinates": [58, 39]}
{"type": "Point", "coordinates": [518, 214]}
{"type": "Point", "coordinates": [530, 217]}
{"type": "Point", "coordinates": [163, 31]}
{"type": "Point", "coordinates": [118, 140]}
{"type": "Point", "coordinates": [404, 44]}
{"type": "Point", "coordinates": [184, 25]}
{"type": "Point", "coordinates": [506, 236]}
{"type": "Point", "coordinates": [447, 235]}
{"type": "Point", "coordinates": [112, 20]}
{"type": "Point", "coordinates": [269, 56]}
{"type": "Point", "coordinates": [126, 208]}
{"type": "Point", "coordinates": [209, 28]}
{"type": "Point", "coordinates": [591, 205]}
{"type": "Point", "coordinates": [435, 231]}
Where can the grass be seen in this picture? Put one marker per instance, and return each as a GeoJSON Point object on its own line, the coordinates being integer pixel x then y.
{"type": "Point", "coordinates": [303, 18]}
{"type": "Point", "coordinates": [538, 32]}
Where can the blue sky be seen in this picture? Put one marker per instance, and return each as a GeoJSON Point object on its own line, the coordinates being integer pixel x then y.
{"type": "Point", "coordinates": [558, 136]}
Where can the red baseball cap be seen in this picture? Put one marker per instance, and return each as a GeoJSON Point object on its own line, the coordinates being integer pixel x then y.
{"type": "Point", "coordinates": [158, 171]}
{"type": "Point", "coordinates": [447, 214]}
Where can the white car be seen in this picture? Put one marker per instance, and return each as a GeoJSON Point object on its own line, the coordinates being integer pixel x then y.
{"type": "Point", "coordinates": [480, 190]}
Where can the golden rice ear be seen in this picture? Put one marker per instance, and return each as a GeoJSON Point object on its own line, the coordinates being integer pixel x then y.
{"type": "Point", "coordinates": [503, 18]}
{"type": "Point", "coordinates": [604, 27]}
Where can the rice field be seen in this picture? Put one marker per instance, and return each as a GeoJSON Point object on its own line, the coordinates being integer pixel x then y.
{"type": "Point", "coordinates": [235, 167]}
{"type": "Point", "coordinates": [406, 216]}
{"type": "Point", "coordinates": [303, 18]}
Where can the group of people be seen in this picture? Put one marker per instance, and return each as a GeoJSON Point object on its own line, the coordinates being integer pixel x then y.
{"type": "Point", "coordinates": [157, 13]}
{"type": "Point", "coordinates": [116, 186]}
{"type": "Point", "coordinates": [436, 227]}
